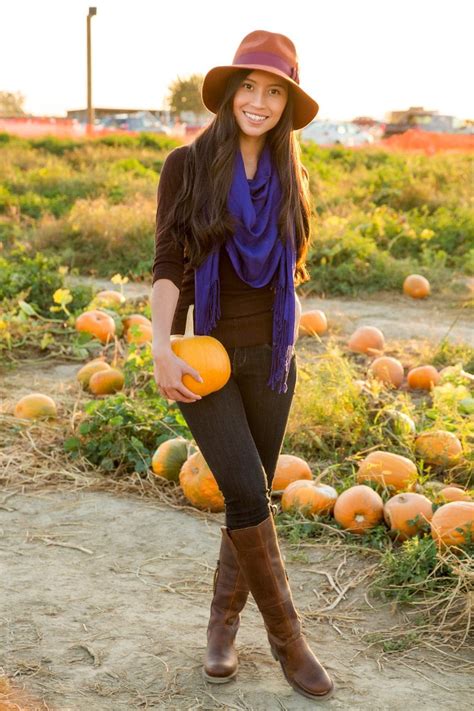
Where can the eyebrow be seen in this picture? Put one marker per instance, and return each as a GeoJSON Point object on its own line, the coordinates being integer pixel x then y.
{"type": "Point", "coordinates": [254, 82]}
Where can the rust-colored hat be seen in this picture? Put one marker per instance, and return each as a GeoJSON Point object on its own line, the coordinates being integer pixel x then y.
{"type": "Point", "coordinates": [270, 52]}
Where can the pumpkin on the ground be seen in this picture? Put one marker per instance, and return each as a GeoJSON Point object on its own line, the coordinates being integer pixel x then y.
{"type": "Point", "coordinates": [312, 323]}
{"type": "Point", "coordinates": [88, 370]}
{"type": "Point", "coordinates": [107, 299]}
{"type": "Point", "coordinates": [309, 497]}
{"type": "Point", "coordinates": [416, 286]}
{"type": "Point", "coordinates": [424, 377]}
{"type": "Point", "coordinates": [209, 357]}
{"type": "Point", "coordinates": [367, 339]}
{"type": "Point", "coordinates": [387, 369]}
{"type": "Point", "coordinates": [438, 447]}
{"type": "Point", "coordinates": [169, 457]}
{"type": "Point", "coordinates": [106, 382]}
{"type": "Point", "coordinates": [35, 406]}
{"type": "Point", "coordinates": [139, 333]}
{"type": "Point", "coordinates": [408, 513]}
{"type": "Point", "coordinates": [453, 493]}
{"type": "Point", "coordinates": [453, 523]}
{"type": "Point", "coordinates": [96, 323]}
{"type": "Point", "coordinates": [388, 469]}
{"type": "Point", "coordinates": [133, 319]}
{"type": "Point", "coordinates": [199, 485]}
{"type": "Point", "coordinates": [358, 509]}
{"type": "Point", "coordinates": [289, 468]}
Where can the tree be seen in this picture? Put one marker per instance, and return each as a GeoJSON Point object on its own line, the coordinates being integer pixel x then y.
{"type": "Point", "coordinates": [185, 95]}
{"type": "Point", "coordinates": [11, 104]}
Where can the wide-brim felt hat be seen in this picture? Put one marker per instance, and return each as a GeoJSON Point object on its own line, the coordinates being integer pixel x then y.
{"type": "Point", "coordinates": [270, 52]}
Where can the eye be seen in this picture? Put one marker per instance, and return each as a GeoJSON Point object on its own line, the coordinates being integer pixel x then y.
{"type": "Point", "coordinates": [246, 84]}
{"type": "Point", "coordinates": [277, 90]}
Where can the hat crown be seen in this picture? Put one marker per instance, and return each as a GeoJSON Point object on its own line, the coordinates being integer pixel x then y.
{"type": "Point", "coordinates": [270, 49]}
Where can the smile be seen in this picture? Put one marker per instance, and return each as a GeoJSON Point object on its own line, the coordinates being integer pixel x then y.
{"type": "Point", "coordinates": [256, 118]}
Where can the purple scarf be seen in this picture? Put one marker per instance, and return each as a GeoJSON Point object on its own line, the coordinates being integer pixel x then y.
{"type": "Point", "coordinates": [258, 257]}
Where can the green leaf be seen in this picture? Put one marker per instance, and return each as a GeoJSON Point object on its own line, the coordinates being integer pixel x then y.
{"type": "Point", "coordinates": [26, 308]}
{"type": "Point", "coordinates": [72, 444]}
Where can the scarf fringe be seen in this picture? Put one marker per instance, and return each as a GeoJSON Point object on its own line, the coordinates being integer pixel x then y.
{"type": "Point", "coordinates": [282, 344]}
{"type": "Point", "coordinates": [208, 320]}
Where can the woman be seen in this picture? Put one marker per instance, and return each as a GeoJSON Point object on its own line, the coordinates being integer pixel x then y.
{"type": "Point", "coordinates": [232, 233]}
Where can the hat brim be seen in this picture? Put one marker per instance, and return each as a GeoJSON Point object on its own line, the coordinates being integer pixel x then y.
{"type": "Point", "coordinates": [305, 108]}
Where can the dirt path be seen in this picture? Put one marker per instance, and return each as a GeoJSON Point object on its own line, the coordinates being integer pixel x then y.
{"type": "Point", "coordinates": [398, 316]}
{"type": "Point", "coordinates": [105, 604]}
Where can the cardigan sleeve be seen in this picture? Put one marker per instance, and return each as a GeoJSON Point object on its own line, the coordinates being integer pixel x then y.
{"type": "Point", "coordinates": [169, 258]}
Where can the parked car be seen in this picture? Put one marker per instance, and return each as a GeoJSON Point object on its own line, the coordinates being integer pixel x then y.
{"type": "Point", "coordinates": [343, 133]}
{"type": "Point", "coordinates": [139, 121]}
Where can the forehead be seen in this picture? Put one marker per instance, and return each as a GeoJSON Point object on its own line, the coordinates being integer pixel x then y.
{"type": "Point", "coordinates": [259, 76]}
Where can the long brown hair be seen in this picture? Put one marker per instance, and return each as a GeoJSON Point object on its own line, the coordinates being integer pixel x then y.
{"type": "Point", "coordinates": [199, 212]}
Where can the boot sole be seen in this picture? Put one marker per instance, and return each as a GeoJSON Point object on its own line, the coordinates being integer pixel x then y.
{"type": "Point", "coordinates": [320, 697]}
{"type": "Point", "coordinates": [219, 679]}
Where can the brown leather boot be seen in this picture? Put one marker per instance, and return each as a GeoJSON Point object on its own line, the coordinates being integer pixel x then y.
{"type": "Point", "coordinates": [261, 562]}
{"type": "Point", "coordinates": [230, 595]}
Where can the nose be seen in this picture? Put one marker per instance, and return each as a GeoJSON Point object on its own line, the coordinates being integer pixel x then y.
{"type": "Point", "coordinates": [258, 98]}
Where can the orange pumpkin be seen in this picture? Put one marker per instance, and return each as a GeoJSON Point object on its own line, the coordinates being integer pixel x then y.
{"type": "Point", "coordinates": [423, 377]}
{"type": "Point", "coordinates": [367, 339]}
{"type": "Point", "coordinates": [107, 299]}
{"type": "Point", "coordinates": [87, 370]}
{"type": "Point", "coordinates": [387, 369]}
{"type": "Point", "coordinates": [312, 323]}
{"type": "Point", "coordinates": [453, 523]}
{"type": "Point", "coordinates": [209, 357]}
{"type": "Point", "coordinates": [288, 469]}
{"type": "Point", "coordinates": [453, 493]}
{"type": "Point", "coordinates": [438, 447]}
{"type": "Point", "coordinates": [35, 406]}
{"type": "Point", "coordinates": [106, 382]}
{"type": "Point", "coordinates": [133, 319]}
{"type": "Point", "coordinates": [406, 514]}
{"type": "Point", "coordinates": [309, 497]}
{"type": "Point", "coordinates": [97, 323]}
{"type": "Point", "coordinates": [388, 469]}
{"type": "Point", "coordinates": [199, 485]}
{"type": "Point", "coordinates": [139, 333]}
{"type": "Point", "coordinates": [358, 509]}
{"type": "Point", "coordinates": [416, 286]}
{"type": "Point", "coordinates": [169, 457]}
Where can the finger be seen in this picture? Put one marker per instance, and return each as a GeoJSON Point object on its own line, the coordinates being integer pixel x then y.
{"type": "Point", "coordinates": [184, 395]}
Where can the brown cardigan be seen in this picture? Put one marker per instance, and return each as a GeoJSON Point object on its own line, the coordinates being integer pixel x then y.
{"type": "Point", "coordinates": [246, 312]}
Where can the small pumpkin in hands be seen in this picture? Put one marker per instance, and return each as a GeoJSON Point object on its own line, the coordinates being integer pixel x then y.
{"type": "Point", "coordinates": [208, 356]}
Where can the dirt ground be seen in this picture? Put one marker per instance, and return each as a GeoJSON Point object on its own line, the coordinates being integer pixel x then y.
{"type": "Point", "coordinates": [105, 602]}
{"type": "Point", "coordinates": [104, 599]}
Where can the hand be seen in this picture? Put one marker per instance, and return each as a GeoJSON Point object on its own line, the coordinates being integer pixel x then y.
{"type": "Point", "coordinates": [168, 371]}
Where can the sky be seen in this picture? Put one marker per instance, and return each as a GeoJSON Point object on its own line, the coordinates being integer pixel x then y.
{"type": "Point", "coordinates": [357, 57]}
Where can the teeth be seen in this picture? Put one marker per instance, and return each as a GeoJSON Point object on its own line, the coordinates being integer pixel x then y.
{"type": "Point", "coordinates": [255, 117]}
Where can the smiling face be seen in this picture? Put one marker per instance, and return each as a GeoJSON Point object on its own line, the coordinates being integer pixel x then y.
{"type": "Point", "coordinates": [259, 102]}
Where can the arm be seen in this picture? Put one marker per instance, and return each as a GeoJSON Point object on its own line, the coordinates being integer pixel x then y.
{"type": "Point", "coordinates": [168, 267]}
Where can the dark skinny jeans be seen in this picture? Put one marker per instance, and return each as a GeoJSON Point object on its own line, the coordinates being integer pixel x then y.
{"type": "Point", "coordinates": [239, 430]}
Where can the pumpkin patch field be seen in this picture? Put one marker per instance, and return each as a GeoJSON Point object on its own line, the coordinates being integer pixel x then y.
{"type": "Point", "coordinates": [109, 514]}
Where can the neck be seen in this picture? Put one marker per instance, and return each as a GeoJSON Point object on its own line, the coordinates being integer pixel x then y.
{"type": "Point", "coordinates": [251, 147]}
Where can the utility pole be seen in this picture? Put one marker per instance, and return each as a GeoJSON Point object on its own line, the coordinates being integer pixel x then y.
{"type": "Point", "coordinates": [90, 110]}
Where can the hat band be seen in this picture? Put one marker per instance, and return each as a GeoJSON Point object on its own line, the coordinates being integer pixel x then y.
{"type": "Point", "coordinates": [268, 59]}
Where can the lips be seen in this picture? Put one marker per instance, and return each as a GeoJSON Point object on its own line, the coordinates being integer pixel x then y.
{"type": "Point", "coordinates": [254, 118]}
